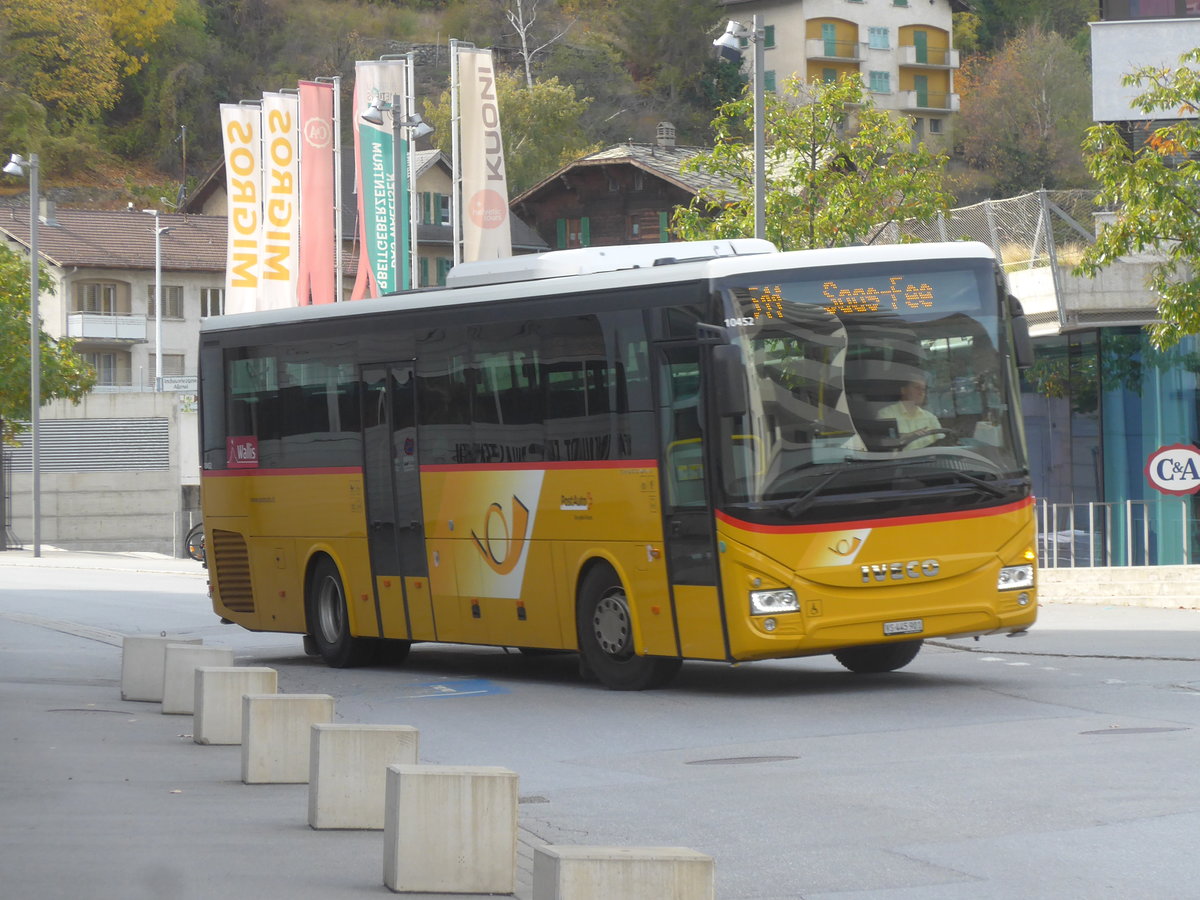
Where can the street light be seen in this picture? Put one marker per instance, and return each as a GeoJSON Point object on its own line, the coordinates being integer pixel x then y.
{"type": "Point", "coordinates": [412, 125]}
{"type": "Point", "coordinates": [729, 48]}
{"type": "Point", "coordinates": [18, 165]}
{"type": "Point", "coordinates": [158, 355]}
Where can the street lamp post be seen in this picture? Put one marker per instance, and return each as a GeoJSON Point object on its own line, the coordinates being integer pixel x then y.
{"type": "Point", "coordinates": [18, 165]}
{"type": "Point", "coordinates": [729, 47]}
{"type": "Point", "coordinates": [405, 124]}
{"type": "Point", "coordinates": [159, 231]}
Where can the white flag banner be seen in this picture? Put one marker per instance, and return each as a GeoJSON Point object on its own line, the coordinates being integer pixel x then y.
{"type": "Point", "coordinates": [485, 223]}
{"type": "Point", "coordinates": [280, 235]}
{"type": "Point", "coordinates": [240, 128]}
{"type": "Point", "coordinates": [382, 260]}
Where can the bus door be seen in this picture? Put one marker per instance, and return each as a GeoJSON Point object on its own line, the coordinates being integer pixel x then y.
{"type": "Point", "coordinates": [395, 527]}
{"type": "Point", "coordinates": [688, 524]}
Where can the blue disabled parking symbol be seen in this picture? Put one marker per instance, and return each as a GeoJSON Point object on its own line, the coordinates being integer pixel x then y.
{"type": "Point", "coordinates": [473, 687]}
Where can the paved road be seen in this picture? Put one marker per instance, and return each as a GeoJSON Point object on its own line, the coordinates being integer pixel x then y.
{"type": "Point", "coordinates": [1057, 765]}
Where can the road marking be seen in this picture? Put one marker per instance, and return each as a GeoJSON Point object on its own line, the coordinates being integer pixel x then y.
{"type": "Point", "coordinates": [84, 631]}
{"type": "Point", "coordinates": [471, 687]}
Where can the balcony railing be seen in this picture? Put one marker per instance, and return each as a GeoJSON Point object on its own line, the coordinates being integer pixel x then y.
{"type": "Point", "coordinates": [928, 57]}
{"type": "Point", "coordinates": [840, 51]}
{"type": "Point", "coordinates": [925, 101]}
{"type": "Point", "coordinates": [101, 327]}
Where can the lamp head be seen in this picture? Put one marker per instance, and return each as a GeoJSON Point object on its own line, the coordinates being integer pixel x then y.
{"type": "Point", "coordinates": [728, 45]}
{"type": "Point", "coordinates": [417, 127]}
{"type": "Point", "coordinates": [373, 114]}
{"type": "Point", "coordinates": [16, 165]}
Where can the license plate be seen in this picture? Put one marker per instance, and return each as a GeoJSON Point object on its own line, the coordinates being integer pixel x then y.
{"type": "Point", "coordinates": [908, 626]}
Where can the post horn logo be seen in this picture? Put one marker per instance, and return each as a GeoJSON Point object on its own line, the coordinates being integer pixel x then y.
{"type": "Point", "coordinates": [496, 533]}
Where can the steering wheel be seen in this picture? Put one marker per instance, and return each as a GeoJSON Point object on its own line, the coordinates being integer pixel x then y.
{"type": "Point", "coordinates": [945, 433]}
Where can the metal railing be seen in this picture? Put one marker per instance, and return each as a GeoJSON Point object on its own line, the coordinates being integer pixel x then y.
{"type": "Point", "coordinates": [1123, 533]}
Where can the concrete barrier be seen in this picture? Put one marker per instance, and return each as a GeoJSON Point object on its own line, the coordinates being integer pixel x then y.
{"type": "Point", "coordinates": [450, 829]}
{"type": "Point", "coordinates": [142, 659]}
{"type": "Point", "coordinates": [217, 708]}
{"type": "Point", "coordinates": [347, 778]}
{"type": "Point", "coordinates": [179, 674]}
{"type": "Point", "coordinates": [275, 735]}
{"type": "Point", "coordinates": [631, 873]}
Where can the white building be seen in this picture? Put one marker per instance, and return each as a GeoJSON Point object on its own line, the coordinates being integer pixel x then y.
{"type": "Point", "coordinates": [901, 48]}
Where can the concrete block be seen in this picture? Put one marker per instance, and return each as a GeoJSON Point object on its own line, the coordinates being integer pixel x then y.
{"type": "Point", "coordinates": [450, 829]}
{"type": "Point", "coordinates": [179, 674]}
{"type": "Point", "coordinates": [348, 772]}
{"type": "Point", "coordinates": [218, 705]}
{"type": "Point", "coordinates": [142, 660]}
{"type": "Point", "coordinates": [631, 873]}
{"type": "Point", "coordinates": [276, 740]}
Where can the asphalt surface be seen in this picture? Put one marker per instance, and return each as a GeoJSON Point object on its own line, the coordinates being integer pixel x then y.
{"type": "Point", "coordinates": [91, 784]}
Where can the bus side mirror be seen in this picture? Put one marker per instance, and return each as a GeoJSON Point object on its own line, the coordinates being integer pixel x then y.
{"type": "Point", "coordinates": [728, 380]}
{"type": "Point", "coordinates": [1022, 343]}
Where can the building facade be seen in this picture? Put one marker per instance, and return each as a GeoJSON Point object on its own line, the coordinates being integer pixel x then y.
{"type": "Point", "coordinates": [902, 49]}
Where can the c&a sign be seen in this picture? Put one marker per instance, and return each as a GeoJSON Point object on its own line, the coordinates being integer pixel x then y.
{"type": "Point", "coordinates": [1174, 469]}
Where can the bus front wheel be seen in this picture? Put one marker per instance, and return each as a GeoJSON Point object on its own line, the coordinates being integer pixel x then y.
{"type": "Point", "coordinates": [878, 657]}
{"type": "Point", "coordinates": [329, 621]}
{"type": "Point", "coordinates": [606, 637]}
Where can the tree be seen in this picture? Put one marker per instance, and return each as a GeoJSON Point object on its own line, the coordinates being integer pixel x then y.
{"type": "Point", "coordinates": [829, 181]}
{"type": "Point", "coordinates": [540, 125]}
{"type": "Point", "coordinates": [63, 373]}
{"type": "Point", "coordinates": [522, 16]}
{"type": "Point", "coordinates": [997, 20]}
{"type": "Point", "coordinates": [1155, 189]}
{"type": "Point", "coordinates": [1024, 113]}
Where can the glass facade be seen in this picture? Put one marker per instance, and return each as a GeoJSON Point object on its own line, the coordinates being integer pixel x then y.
{"type": "Point", "coordinates": [1096, 405]}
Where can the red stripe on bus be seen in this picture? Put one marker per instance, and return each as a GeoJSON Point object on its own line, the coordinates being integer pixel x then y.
{"type": "Point", "coordinates": [532, 467]}
{"type": "Point", "coordinates": [250, 470]}
{"type": "Point", "coordinates": [875, 523]}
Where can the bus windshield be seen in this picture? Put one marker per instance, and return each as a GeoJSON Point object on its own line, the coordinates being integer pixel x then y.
{"type": "Point", "coordinates": [871, 392]}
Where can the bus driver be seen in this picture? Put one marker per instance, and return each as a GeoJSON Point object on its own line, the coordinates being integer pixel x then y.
{"type": "Point", "coordinates": [912, 419]}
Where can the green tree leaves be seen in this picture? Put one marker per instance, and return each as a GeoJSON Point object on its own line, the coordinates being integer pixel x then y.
{"type": "Point", "coordinates": [837, 169]}
{"type": "Point", "coordinates": [1155, 189]}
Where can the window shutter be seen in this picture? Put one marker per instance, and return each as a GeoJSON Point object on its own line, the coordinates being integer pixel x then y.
{"type": "Point", "coordinates": [561, 225]}
{"type": "Point", "coordinates": [664, 230]}
{"type": "Point", "coordinates": [585, 232]}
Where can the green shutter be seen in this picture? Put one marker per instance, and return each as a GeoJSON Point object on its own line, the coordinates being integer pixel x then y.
{"type": "Point", "coordinates": [585, 232]}
{"type": "Point", "coordinates": [769, 36]}
{"type": "Point", "coordinates": [921, 41]}
{"type": "Point", "coordinates": [829, 36]}
{"type": "Point", "coordinates": [422, 272]}
{"type": "Point", "coordinates": [769, 80]}
{"type": "Point", "coordinates": [664, 228]}
{"type": "Point", "coordinates": [561, 226]}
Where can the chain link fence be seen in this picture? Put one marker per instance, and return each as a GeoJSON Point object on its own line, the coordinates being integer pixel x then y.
{"type": "Point", "coordinates": [1043, 228]}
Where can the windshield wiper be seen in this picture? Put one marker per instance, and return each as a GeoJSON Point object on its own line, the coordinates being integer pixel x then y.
{"type": "Point", "coordinates": [800, 504]}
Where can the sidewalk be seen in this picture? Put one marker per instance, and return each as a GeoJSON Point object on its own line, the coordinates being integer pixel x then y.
{"type": "Point", "coordinates": [133, 561]}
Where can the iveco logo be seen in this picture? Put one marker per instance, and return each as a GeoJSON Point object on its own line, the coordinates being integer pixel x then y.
{"type": "Point", "coordinates": [900, 571]}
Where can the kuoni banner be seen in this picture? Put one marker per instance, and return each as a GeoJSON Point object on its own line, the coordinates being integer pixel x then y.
{"type": "Point", "coordinates": [241, 132]}
{"type": "Point", "coordinates": [381, 268]}
{"type": "Point", "coordinates": [280, 235]}
{"type": "Point", "coordinates": [485, 224]}
{"type": "Point", "coordinates": [318, 213]}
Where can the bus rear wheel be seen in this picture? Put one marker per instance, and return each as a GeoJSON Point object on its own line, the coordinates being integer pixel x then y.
{"type": "Point", "coordinates": [329, 620]}
{"type": "Point", "coordinates": [605, 628]}
{"type": "Point", "coordinates": [878, 657]}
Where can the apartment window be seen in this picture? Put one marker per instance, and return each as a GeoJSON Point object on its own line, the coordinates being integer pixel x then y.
{"type": "Point", "coordinates": [113, 369]}
{"type": "Point", "coordinates": [769, 80]}
{"type": "Point", "coordinates": [212, 301]}
{"type": "Point", "coordinates": [935, 126]}
{"type": "Point", "coordinates": [881, 82]}
{"type": "Point", "coordinates": [899, 2]}
{"type": "Point", "coordinates": [878, 38]}
{"type": "Point", "coordinates": [769, 36]}
{"type": "Point", "coordinates": [435, 208]}
{"type": "Point", "coordinates": [829, 75]}
{"type": "Point", "coordinates": [101, 297]}
{"type": "Point", "coordinates": [172, 301]}
{"type": "Point", "coordinates": [444, 265]}
{"type": "Point", "coordinates": [173, 364]}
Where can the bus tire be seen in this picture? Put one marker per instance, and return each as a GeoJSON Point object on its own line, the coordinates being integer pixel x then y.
{"type": "Point", "coordinates": [878, 657]}
{"type": "Point", "coordinates": [605, 629]}
{"type": "Point", "coordinates": [329, 620]}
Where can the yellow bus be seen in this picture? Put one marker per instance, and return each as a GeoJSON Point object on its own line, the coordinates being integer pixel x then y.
{"type": "Point", "coordinates": [646, 454]}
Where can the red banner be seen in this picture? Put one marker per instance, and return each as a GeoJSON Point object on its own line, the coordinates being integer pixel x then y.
{"type": "Point", "coordinates": [318, 212]}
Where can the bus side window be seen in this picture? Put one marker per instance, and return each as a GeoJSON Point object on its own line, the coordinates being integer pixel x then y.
{"type": "Point", "coordinates": [682, 435]}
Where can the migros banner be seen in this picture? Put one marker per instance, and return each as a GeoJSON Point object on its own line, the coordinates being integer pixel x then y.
{"type": "Point", "coordinates": [280, 234]}
{"type": "Point", "coordinates": [241, 133]}
{"type": "Point", "coordinates": [487, 232]}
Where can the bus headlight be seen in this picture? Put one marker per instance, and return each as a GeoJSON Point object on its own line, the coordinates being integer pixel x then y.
{"type": "Point", "coordinates": [1014, 578]}
{"type": "Point", "coordinates": [766, 603]}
